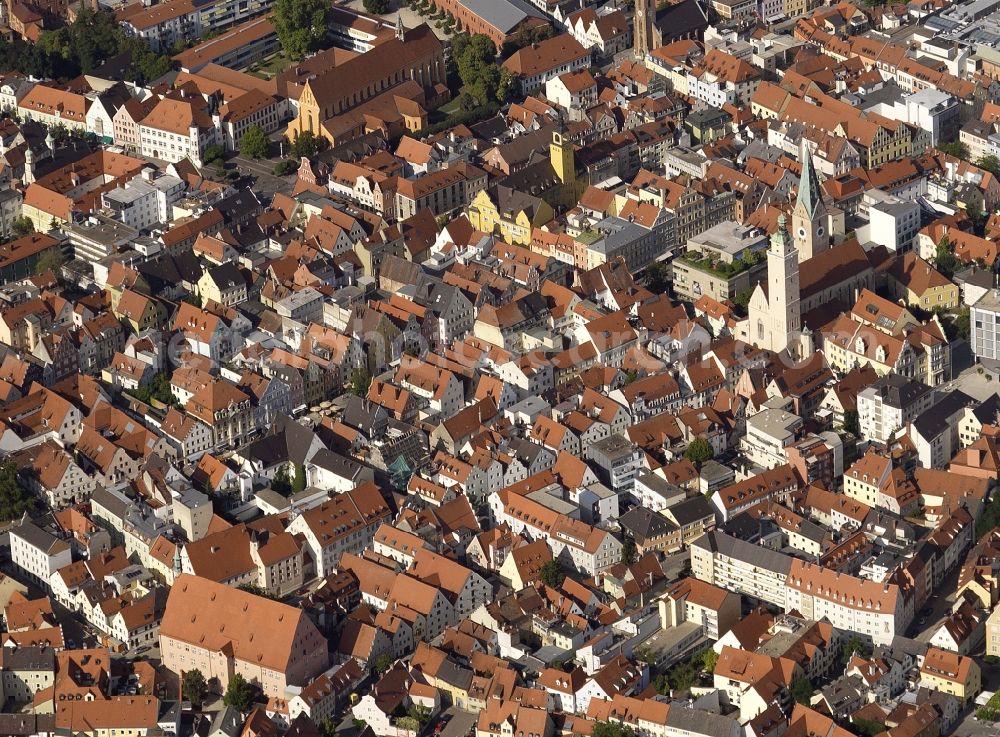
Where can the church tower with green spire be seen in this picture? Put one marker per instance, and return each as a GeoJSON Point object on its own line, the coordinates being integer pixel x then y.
{"type": "Point", "coordinates": [809, 216]}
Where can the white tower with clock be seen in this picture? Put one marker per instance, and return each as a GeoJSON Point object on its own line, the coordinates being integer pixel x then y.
{"type": "Point", "coordinates": [774, 315]}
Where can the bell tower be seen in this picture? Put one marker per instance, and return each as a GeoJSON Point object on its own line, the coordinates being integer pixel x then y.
{"type": "Point", "coordinates": [562, 159]}
{"type": "Point", "coordinates": [643, 32]}
{"type": "Point", "coordinates": [783, 290]}
{"type": "Point", "coordinates": [809, 216]}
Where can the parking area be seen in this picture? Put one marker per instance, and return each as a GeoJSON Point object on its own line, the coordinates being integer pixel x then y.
{"type": "Point", "coordinates": [460, 723]}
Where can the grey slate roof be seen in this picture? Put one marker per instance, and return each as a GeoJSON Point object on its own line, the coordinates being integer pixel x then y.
{"type": "Point", "coordinates": [899, 391]}
{"type": "Point", "coordinates": [343, 466]}
{"type": "Point", "coordinates": [692, 510]}
{"type": "Point", "coordinates": [502, 14]}
{"type": "Point", "coordinates": [28, 659]}
{"type": "Point", "coordinates": [694, 721]}
{"type": "Point", "coordinates": [934, 420]}
{"type": "Point", "coordinates": [761, 557]}
{"type": "Point", "coordinates": [644, 524]}
{"type": "Point", "coordinates": [36, 536]}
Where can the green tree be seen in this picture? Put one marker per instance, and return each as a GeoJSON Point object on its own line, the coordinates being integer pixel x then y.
{"type": "Point", "coordinates": [961, 325]}
{"type": "Point", "coordinates": [658, 277]}
{"type": "Point", "coordinates": [377, 7]}
{"type": "Point", "coordinates": [282, 482]}
{"type": "Point", "coordinates": [954, 148]}
{"type": "Point", "coordinates": [239, 694]}
{"type": "Point", "coordinates": [801, 690]}
{"type": "Point", "coordinates": [552, 574]}
{"type": "Point", "coordinates": [853, 645]}
{"type": "Point", "coordinates": [382, 663]}
{"type": "Point", "coordinates": [851, 423]}
{"type": "Point", "coordinates": [361, 379]}
{"type": "Point", "coordinates": [709, 659]}
{"type": "Point", "coordinates": [507, 85]}
{"type": "Point", "coordinates": [299, 481]}
{"type": "Point", "coordinates": [611, 729]}
{"type": "Point", "coordinates": [867, 727]}
{"type": "Point", "coordinates": [23, 226]}
{"type": "Point", "coordinates": [989, 519]}
{"type": "Point", "coordinates": [474, 58]}
{"type": "Point", "coordinates": [15, 500]}
{"type": "Point", "coordinates": [50, 260]}
{"type": "Point", "coordinates": [698, 451]}
{"type": "Point", "coordinates": [742, 301]}
{"type": "Point", "coordinates": [305, 144]}
{"type": "Point", "coordinates": [252, 588]}
{"type": "Point", "coordinates": [253, 145]}
{"type": "Point", "coordinates": [159, 389]}
{"type": "Point", "coordinates": [629, 552]}
{"type": "Point", "coordinates": [944, 260]}
{"type": "Point", "coordinates": [990, 163]}
{"type": "Point", "coordinates": [194, 687]}
{"type": "Point", "coordinates": [213, 153]}
{"type": "Point", "coordinates": [301, 25]}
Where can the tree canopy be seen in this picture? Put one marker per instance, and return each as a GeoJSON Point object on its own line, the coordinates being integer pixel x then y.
{"type": "Point", "coordinates": [305, 144]}
{"type": "Point", "coordinates": [361, 379]}
{"type": "Point", "coordinates": [801, 690]}
{"type": "Point", "coordinates": [698, 451]}
{"type": "Point", "coordinates": [612, 729]}
{"type": "Point", "coordinates": [301, 25]}
{"type": "Point", "coordinates": [299, 479]}
{"type": "Point", "coordinates": [22, 226]}
{"type": "Point", "coordinates": [158, 389]}
{"type": "Point", "coordinates": [658, 277]}
{"type": "Point", "coordinates": [475, 61]}
{"type": "Point", "coordinates": [946, 261]}
{"type": "Point", "coordinates": [954, 148]}
{"type": "Point", "coordinates": [629, 552]}
{"type": "Point", "coordinates": [89, 41]}
{"type": "Point", "coordinates": [253, 145]}
{"type": "Point", "coordinates": [990, 163]}
{"type": "Point", "coordinates": [552, 574]}
{"type": "Point", "coordinates": [50, 260]}
{"type": "Point", "coordinates": [378, 7]}
{"type": "Point", "coordinates": [239, 694]}
{"type": "Point", "coordinates": [15, 500]}
{"type": "Point", "coordinates": [194, 687]}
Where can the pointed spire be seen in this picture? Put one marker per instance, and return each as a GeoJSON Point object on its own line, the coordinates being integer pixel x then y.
{"type": "Point", "coordinates": [810, 194]}
{"type": "Point", "coordinates": [400, 30]}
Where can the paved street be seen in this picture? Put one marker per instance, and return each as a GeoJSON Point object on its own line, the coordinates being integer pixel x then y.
{"type": "Point", "coordinates": [977, 380]}
{"type": "Point", "coordinates": [939, 606]}
{"type": "Point", "coordinates": [265, 183]}
{"type": "Point", "coordinates": [675, 563]}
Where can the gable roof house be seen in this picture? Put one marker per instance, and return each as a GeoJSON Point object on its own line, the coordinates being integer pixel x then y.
{"type": "Point", "coordinates": [222, 631]}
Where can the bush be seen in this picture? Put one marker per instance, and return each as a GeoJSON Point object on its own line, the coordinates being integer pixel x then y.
{"type": "Point", "coordinates": [285, 167]}
{"type": "Point", "coordinates": [213, 153]}
{"type": "Point", "coordinates": [463, 117]}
